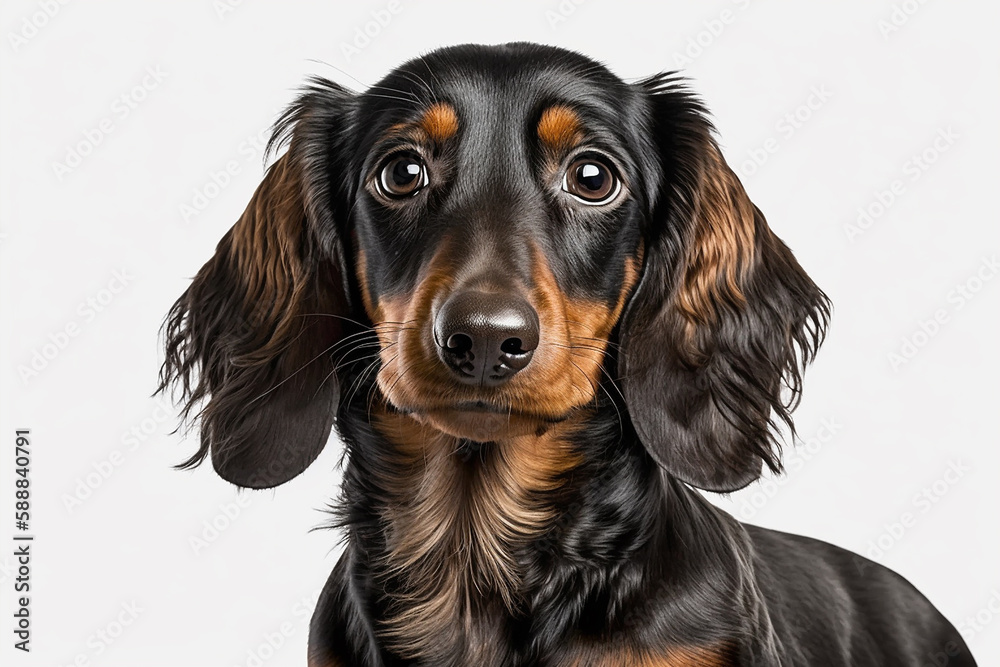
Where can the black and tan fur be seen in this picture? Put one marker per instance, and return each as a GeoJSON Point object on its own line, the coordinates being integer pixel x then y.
{"type": "Point", "coordinates": [548, 518]}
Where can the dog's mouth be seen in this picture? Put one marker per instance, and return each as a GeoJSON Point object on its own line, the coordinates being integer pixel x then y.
{"type": "Point", "coordinates": [482, 406]}
{"type": "Point", "coordinates": [483, 421]}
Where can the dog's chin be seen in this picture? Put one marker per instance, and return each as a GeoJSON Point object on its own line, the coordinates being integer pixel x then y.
{"type": "Point", "coordinates": [479, 425]}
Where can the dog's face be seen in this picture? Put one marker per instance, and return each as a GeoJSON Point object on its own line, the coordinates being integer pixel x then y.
{"type": "Point", "coordinates": [521, 230]}
{"type": "Point", "coordinates": [497, 234]}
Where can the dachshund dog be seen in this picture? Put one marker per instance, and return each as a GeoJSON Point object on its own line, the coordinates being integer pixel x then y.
{"type": "Point", "coordinates": [539, 308]}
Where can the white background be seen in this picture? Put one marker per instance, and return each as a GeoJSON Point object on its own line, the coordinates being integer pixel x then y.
{"type": "Point", "coordinates": [884, 96]}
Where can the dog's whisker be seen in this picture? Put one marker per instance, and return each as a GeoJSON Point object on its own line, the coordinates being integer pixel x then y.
{"type": "Point", "coordinates": [360, 380]}
{"type": "Point", "coordinates": [343, 362]}
{"type": "Point", "coordinates": [364, 85]}
{"type": "Point", "coordinates": [399, 376]}
{"type": "Point", "coordinates": [334, 315]}
{"type": "Point", "coordinates": [338, 364]}
{"type": "Point", "coordinates": [611, 398]}
{"type": "Point", "coordinates": [326, 351]}
{"type": "Point", "coordinates": [375, 388]}
{"type": "Point", "coordinates": [599, 341]}
{"type": "Point", "coordinates": [578, 346]}
{"type": "Point", "coordinates": [593, 387]}
{"type": "Point", "coordinates": [346, 347]}
{"type": "Point", "coordinates": [415, 78]}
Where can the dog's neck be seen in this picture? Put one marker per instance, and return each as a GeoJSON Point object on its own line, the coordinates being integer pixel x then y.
{"type": "Point", "coordinates": [468, 541]}
{"type": "Point", "coordinates": [459, 514]}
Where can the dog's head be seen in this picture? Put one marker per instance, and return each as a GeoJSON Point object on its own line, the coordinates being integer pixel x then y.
{"type": "Point", "coordinates": [521, 229]}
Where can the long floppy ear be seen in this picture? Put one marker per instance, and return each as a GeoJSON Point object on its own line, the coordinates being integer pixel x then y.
{"type": "Point", "coordinates": [250, 340]}
{"type": "Point", "coordinates": [724, 319]}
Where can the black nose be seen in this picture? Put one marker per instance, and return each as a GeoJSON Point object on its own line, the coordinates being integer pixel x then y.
{"type": "Point", "coordinates": [485, 338]}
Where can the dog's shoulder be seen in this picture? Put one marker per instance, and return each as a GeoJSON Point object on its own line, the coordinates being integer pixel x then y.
{"type": "Point", "coordinates": [841, 603]}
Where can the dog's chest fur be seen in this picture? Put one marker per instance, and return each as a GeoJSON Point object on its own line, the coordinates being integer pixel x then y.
{"type": "Point", "coordinates": [457, 517]}
{"type": "Point", "coordinates": [466, 528]}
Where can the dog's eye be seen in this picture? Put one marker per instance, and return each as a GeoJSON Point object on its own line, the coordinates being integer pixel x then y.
{"type": "Point", "coordinates": [402, 175]}
{"type": "Point", "coordinates": [591, 181]}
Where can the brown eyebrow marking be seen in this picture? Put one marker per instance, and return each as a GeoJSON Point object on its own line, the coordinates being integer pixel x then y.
{"type": "Point", "coordinates": [560, 128]}
{"type": "Point", "coordinates": [440, 121]}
